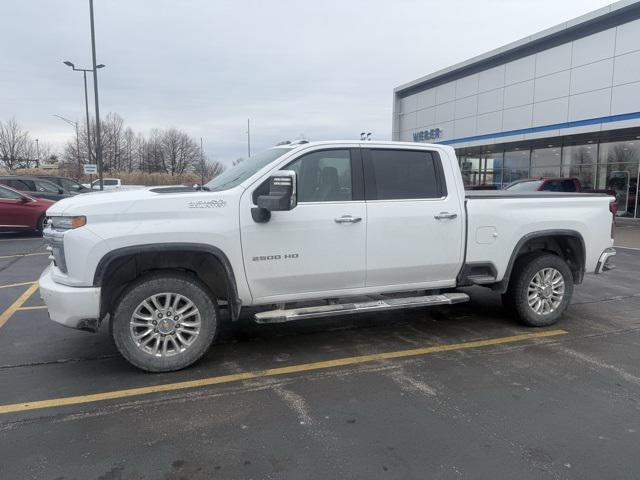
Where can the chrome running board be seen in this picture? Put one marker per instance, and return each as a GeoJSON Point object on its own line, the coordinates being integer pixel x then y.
{"type": "Point", "coordinates": [288, 315]}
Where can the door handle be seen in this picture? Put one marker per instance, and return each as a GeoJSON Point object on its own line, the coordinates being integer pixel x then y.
{"type": "Point", "coordinates": [445, 216]}
{"type": "Point", "coordinates": [348, 219]}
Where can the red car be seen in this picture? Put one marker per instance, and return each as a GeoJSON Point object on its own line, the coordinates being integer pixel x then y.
{"type": "Point", "coordinates": [21, 212]}
{"type": "Point", "coordinates": [570, 184]}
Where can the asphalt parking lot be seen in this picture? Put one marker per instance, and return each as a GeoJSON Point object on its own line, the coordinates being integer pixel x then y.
{"type": "Point", "coordinates": [460, 392]}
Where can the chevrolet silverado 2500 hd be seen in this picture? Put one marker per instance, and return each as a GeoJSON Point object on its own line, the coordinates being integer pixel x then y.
{"type": "Point", "coordinates": [345, 227]}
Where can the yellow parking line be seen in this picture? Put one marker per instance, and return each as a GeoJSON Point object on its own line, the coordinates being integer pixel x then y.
{"type": "Point", "coordinates": [236, 377]}
{"type": "Point", "coordinates": [24, 255]}
{"type": "Point", "coordinates": [17, 284]}
{"type": "Point", "coordinates": [35, 307]}
{"type": "Point", "coordinates": [6, 315]}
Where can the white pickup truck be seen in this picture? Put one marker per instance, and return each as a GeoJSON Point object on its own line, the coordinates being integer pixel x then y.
{"type": "Point", "coordinates": [344, 227]}
{"type": "Point", "coordinates": [110, 184]}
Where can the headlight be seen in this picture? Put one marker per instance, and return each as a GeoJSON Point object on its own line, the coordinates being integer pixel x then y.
{"type": "Point", "coordinates": [66, 223]}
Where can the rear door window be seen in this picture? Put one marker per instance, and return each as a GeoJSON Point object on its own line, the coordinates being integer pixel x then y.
{"type": "Point", "coordinates": [403, 174]}
{"type": "Point", "coordinates": [552, 186]}
{"type": "Point", "coordinates": [568, 186]}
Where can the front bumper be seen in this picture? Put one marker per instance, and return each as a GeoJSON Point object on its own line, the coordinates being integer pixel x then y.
{"type": "Point", "coordinates": [604, 263]}
{"type": "Point", "coordinates": [74, 307]}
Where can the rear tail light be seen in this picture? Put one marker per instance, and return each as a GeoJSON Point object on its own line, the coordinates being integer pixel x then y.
{"type": "Point", "coordinates": [613, 208]}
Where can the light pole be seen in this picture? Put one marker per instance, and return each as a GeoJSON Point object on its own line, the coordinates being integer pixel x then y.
{"type": "Point", "coordinates": [201, 166]}
{"type": "Point", "coordinates": [75, 124]}
{"type": "Point", "coordinates": [95, 95]}
{"type": "Point", "coordinates": [86, 103]}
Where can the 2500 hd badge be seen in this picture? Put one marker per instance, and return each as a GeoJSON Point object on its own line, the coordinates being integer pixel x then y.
{"type": "Point", "coordinates": [286, 256]}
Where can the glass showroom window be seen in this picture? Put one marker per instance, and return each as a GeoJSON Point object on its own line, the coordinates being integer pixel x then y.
{"type": "Point", "coordinates": [579, 161]}
{"type": "Point", "coordinates": [545, 162]}
{"type": "Point", "coordinates": [470, 168]}
{"type": "Point", "coordinates": [493, 172]}
{"type": "Point", "coordinates": [516, 166]}
{"type": "Point", "coordinates": [618, 171]}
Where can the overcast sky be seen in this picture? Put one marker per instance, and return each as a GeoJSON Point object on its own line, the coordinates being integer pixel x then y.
{"type": "Point", "coordinates": [325, 69]}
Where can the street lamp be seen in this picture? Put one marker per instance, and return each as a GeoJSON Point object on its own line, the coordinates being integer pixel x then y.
{"type": "Point", "coordinates": [37, 154]}
{"type": "Point", "coordinates": [71, 122]}
{"type": "Point", "coordinates": [86, 102]}
{"type": "Point", "coordinates": [95, 95]}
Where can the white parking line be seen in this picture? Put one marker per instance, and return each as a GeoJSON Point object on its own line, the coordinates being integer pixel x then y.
{"type": "Point", "coordinates": [23, 255]}
{"type": "Point", "coordinates": [21, 284]}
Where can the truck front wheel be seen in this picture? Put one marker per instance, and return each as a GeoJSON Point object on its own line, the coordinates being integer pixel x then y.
{"type": "Point", "coordinates": [540, 289]}
{"type": "Point", "coordinates": [164, 322]}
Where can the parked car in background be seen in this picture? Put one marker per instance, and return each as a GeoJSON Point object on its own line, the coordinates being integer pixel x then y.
{"type": "Point", "coordinates": [110, 184]}
{"type": "Point", "coordinates": [35, 187]}
{"type": "Point", "coordinates": [22, 212]}
{"type": "Point", "coordinates": [570, 184]}
{"type": "Point", "coordinates": [70, 185]}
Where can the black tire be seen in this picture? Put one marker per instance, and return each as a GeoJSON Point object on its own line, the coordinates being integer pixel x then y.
{"type": "Point", "coordinates": [41, 223]}
{"type": "Point", "coordinates": [159, 284]}
{"type": "Point", "coordinates": [516, 297]}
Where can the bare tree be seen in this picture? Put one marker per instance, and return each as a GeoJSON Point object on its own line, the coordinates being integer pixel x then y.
{"type": "Point", "coordinates": [129, 146]}
{"type": "Point", "coordinates": [112, 142]}
{"type": "Point", "coordinates": [179, 152]}
{"type": "Point", "coordinates": [170, 151]}
{"type": "Point", "coordinates": [16, 149]}
{"type": "Point", "coordinates": [209, 169]}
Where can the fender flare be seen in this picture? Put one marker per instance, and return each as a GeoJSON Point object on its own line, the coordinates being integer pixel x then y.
{"type": "Point", "coordinates": [232, 290]}
{"type": "Point", "coordinates": [502, 285]}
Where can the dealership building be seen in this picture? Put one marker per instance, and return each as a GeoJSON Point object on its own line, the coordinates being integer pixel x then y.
{"type": "Point", "coordinates": [564, 102]}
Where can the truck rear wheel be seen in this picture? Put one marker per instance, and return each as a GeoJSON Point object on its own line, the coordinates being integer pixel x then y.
{"type": "Point", "coordinates": [164, 322]}
{"type": "Point", "coordinates": [540, 289]}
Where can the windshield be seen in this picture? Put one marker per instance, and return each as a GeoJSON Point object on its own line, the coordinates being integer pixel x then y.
{"type": "Point", "coordinates": [244, 169]}
{"type": "Point", "coordinates": [527, 186]}
{"type": "Point", "coordinates": [71, 185]}
{"type": "Point", "coordinates": [45, 186]}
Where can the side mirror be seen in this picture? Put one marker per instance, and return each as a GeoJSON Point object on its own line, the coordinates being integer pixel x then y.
{"type": "Point", "coordinates": [282, 196]}
{"type": "Point", "coordinates": [60, 191]}
{"type": "Point", "coordinates": [24, 199]}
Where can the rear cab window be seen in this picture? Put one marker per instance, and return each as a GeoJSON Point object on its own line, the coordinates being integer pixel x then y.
{"type": "Point", "coordinates": [403, 175]}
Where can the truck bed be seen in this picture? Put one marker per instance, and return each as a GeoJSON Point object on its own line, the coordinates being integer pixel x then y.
{"type": "Point", "coordinates": [498, 220]}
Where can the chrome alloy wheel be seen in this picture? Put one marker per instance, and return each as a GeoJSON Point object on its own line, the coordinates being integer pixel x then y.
{"type": "Point", "coordinates": [165, 324]}
{"type": "Point", "coordinates": [546, 291]}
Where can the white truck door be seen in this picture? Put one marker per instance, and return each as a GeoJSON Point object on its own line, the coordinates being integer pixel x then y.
{"type": "Point", "coordinates": [414, 226]}
{"type": "Point", "coordinates": [319, 246]}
